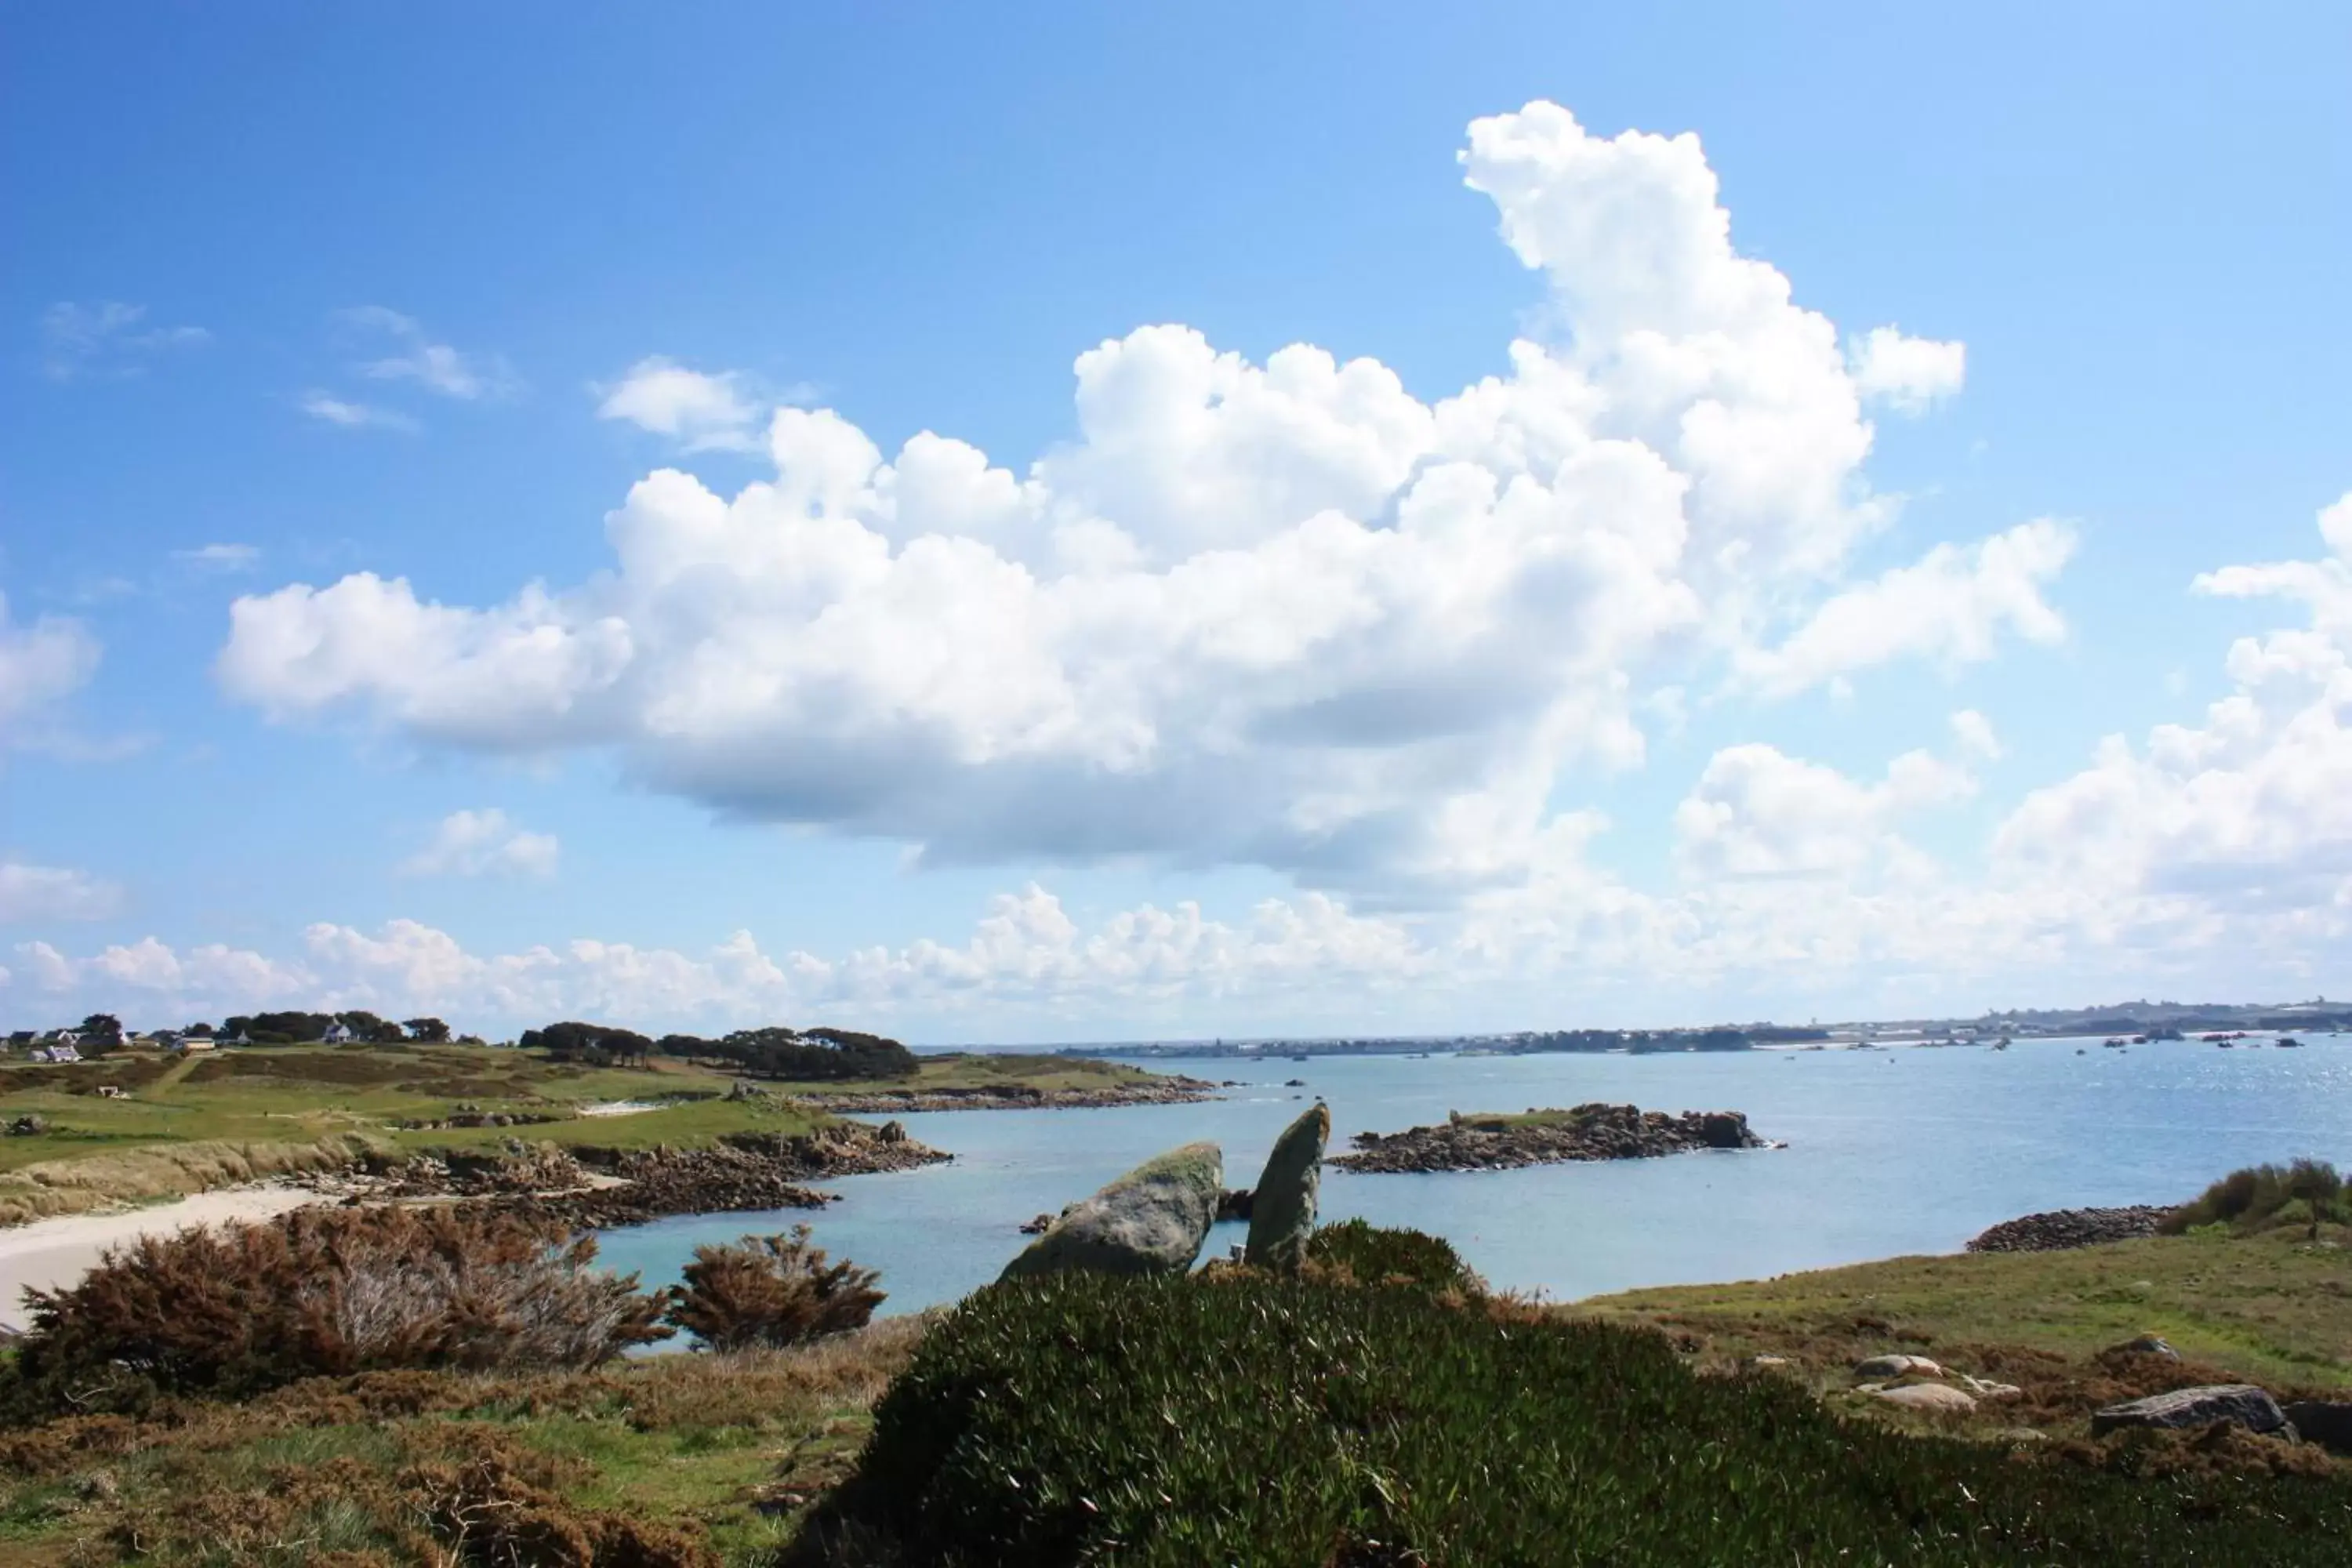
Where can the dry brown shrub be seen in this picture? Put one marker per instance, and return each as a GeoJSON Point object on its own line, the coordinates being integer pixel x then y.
{"type": "Point", "coordinates": [238, 1309]}
{"type": "Point", "coordinates": [771, 1290]}
{"type": "Point", "coordinates": [472, 1497]}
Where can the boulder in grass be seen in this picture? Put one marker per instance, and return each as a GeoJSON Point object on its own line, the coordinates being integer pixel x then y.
{"type": "Point", "coordinates": [1282, 1216]}
{"type": "Point", "coordinates": [1883, 1367]}
{"type": "Point", "coordinates": [1925, 1396]}
{"type": "Point", "coordinates": [2239, 1403]}
{"type": "Point", "coordinates": [1152, 1220]}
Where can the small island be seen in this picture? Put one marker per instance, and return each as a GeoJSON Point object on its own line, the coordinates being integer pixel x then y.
{"type": "Point", "coordinates": [1501, 1142]}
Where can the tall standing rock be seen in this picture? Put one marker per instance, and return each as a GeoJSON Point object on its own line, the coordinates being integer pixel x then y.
{"type": "Point", "coordinates": [1151, 1221]}
{"type": "Point", "coordinates": [1283, 1213]}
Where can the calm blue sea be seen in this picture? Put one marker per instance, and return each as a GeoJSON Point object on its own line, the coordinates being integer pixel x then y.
{"type": "Point", "coordinates": [1889, 1152]}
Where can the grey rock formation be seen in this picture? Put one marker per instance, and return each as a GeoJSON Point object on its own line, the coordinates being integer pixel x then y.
{"type": "Point", "coordinates": [1152, 1220]}
{"type": "Point", "coordinates": [2241, 1403]}
{"type": "Point", "coordinates": [1926, 1397]}
{"type": "Point", "coordinates": [1888, 1367]}
{"type": "Point", "coordinates": [1282, 1216]}
{"type": "Point", "coordinates": [2148, 1344]}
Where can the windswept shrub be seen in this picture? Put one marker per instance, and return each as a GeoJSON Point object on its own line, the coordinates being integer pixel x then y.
{"type": "Point", "coordinates": [1372, 1255]}
{"type": "Point", "coordinates": [771, 1290]}
{"type": "Point", "coordinates": [233, 1309]}
{"type": "Point", "coordinates": [1163, 1422]}
{"type": "Point", "coordinates": [2259, 1197]}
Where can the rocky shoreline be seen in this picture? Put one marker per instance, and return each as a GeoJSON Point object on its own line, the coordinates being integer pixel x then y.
{"type": "Point", "coordinates": [1586, 1133]}
{"type": "Point", "coordinates": [1171, 1089]}
{"type": "Point", "coordinates": [597, 1189]}
{"type": "Point", "coordinates": [2061, 1229]}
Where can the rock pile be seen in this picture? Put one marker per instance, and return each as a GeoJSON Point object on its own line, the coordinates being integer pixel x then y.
{"type": "Point", "coordinates": [1587, 1132]}
{"type": "Point", "coordinates": [2063, 1228]}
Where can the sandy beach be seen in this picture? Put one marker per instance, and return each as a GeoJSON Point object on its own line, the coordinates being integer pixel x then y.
{"type": "Point", "coordinates": [52, 1252]}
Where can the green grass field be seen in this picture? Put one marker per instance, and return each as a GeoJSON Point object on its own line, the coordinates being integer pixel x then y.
{"type": "Point", "coordinates": [2273, 1308]}
{"type": "Point", "coordinates": [183, 1123]}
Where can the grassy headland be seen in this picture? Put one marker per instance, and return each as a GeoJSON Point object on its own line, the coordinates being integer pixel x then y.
{"type": "Point", "coordinates": [2275, 1307]}
{"type": "Point", "coordinates": [185, 1123]}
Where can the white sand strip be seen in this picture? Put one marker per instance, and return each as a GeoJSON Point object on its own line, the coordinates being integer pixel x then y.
{"type": "Point", "coordinates": [48, 1253]}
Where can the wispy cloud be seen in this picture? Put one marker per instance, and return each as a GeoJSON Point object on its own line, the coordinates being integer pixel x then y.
{"type": "Point", "coordinates": [350, 416]}
{"type": "Point", "coordinates": [108, 339]}
{"type": "Point", "coordinates": [220, 557]}
{"type": "Point", "coordinates": [483, 843]}
{"type": "Point", "coordinates": [440, 368]}
{"type": "Point", "coordinates": [54, 893]}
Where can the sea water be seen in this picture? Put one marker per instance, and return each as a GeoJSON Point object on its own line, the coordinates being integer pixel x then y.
{"type": "Point", "coordinates": [1889, 1151]}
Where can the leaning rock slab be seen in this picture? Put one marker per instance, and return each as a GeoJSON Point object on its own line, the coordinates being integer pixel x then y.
{"type": "Point", "coordinates": [1152, 1220]}
{"type": "Point", "coordinates": [1282, 1216]}
{"type": "Point", "coordinates": [1926, 1397]}
{"type": "Point", "coordinates": [2238, 1403]}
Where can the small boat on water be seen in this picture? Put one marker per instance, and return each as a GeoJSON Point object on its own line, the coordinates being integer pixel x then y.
{"type": "Point", "coordinates": [2114, 1043]}
{"type": "Point", "coordinates": [2287, 1043]}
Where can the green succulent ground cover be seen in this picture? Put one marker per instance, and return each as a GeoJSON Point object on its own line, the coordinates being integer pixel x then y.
{"type": "Point", "coordinates": [1248, 1419]}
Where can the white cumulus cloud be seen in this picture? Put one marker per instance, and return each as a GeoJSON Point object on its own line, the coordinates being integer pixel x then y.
{"type": "Point", "coordinates": [699, 410]}
{"type": "Point", "coordinates": [1908, 374]}
{"type": "Point", "coordinates": [1284, 614]}
{"type": "Point", "coordinates": [1951, 606]}
{"type": "Point", "coordinates": [483, 843]}
{"type": "Point", "coordinates": [2252, 811]}
{"type": "Point", "coordinates": [1024, 953]}
{"type": "Point", "coordinates": [1758, 812]}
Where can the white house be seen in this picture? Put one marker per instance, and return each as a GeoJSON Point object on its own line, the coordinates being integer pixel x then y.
{"type": "Point", "coordinates": [336, 1034]}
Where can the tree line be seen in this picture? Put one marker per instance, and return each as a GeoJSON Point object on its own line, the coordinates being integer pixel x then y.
{"type": "Point", "coordinates": [774, 1051]}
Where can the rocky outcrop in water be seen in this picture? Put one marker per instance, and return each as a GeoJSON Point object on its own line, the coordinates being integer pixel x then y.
{"type": "Point", "coordinates": [2062, 1228]}
{"type": "Point", "coordinates": [1282, 1215]}
{"type": "Point", "coordinates": [1489, 1142]}
{"type": "Point", "coordinates": [599, 1188]}
{"type": "Point", "coordinates": [1152, 1220]}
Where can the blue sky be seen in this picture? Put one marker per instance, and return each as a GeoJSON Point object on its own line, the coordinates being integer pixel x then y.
{"type": "Point", "coordinates": [1238, 711]}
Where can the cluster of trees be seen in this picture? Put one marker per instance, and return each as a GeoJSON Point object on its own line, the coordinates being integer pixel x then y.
{"type": "Point", "coordinates": [774, 1052]}
{"type": "Point", "coordinates": [293, 1028]}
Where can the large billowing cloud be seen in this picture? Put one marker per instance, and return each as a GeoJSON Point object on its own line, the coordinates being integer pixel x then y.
{"type": "Point", "coordinates": [2218, 857]}
{"type": "Point", "coordinates": [1286, 613]}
